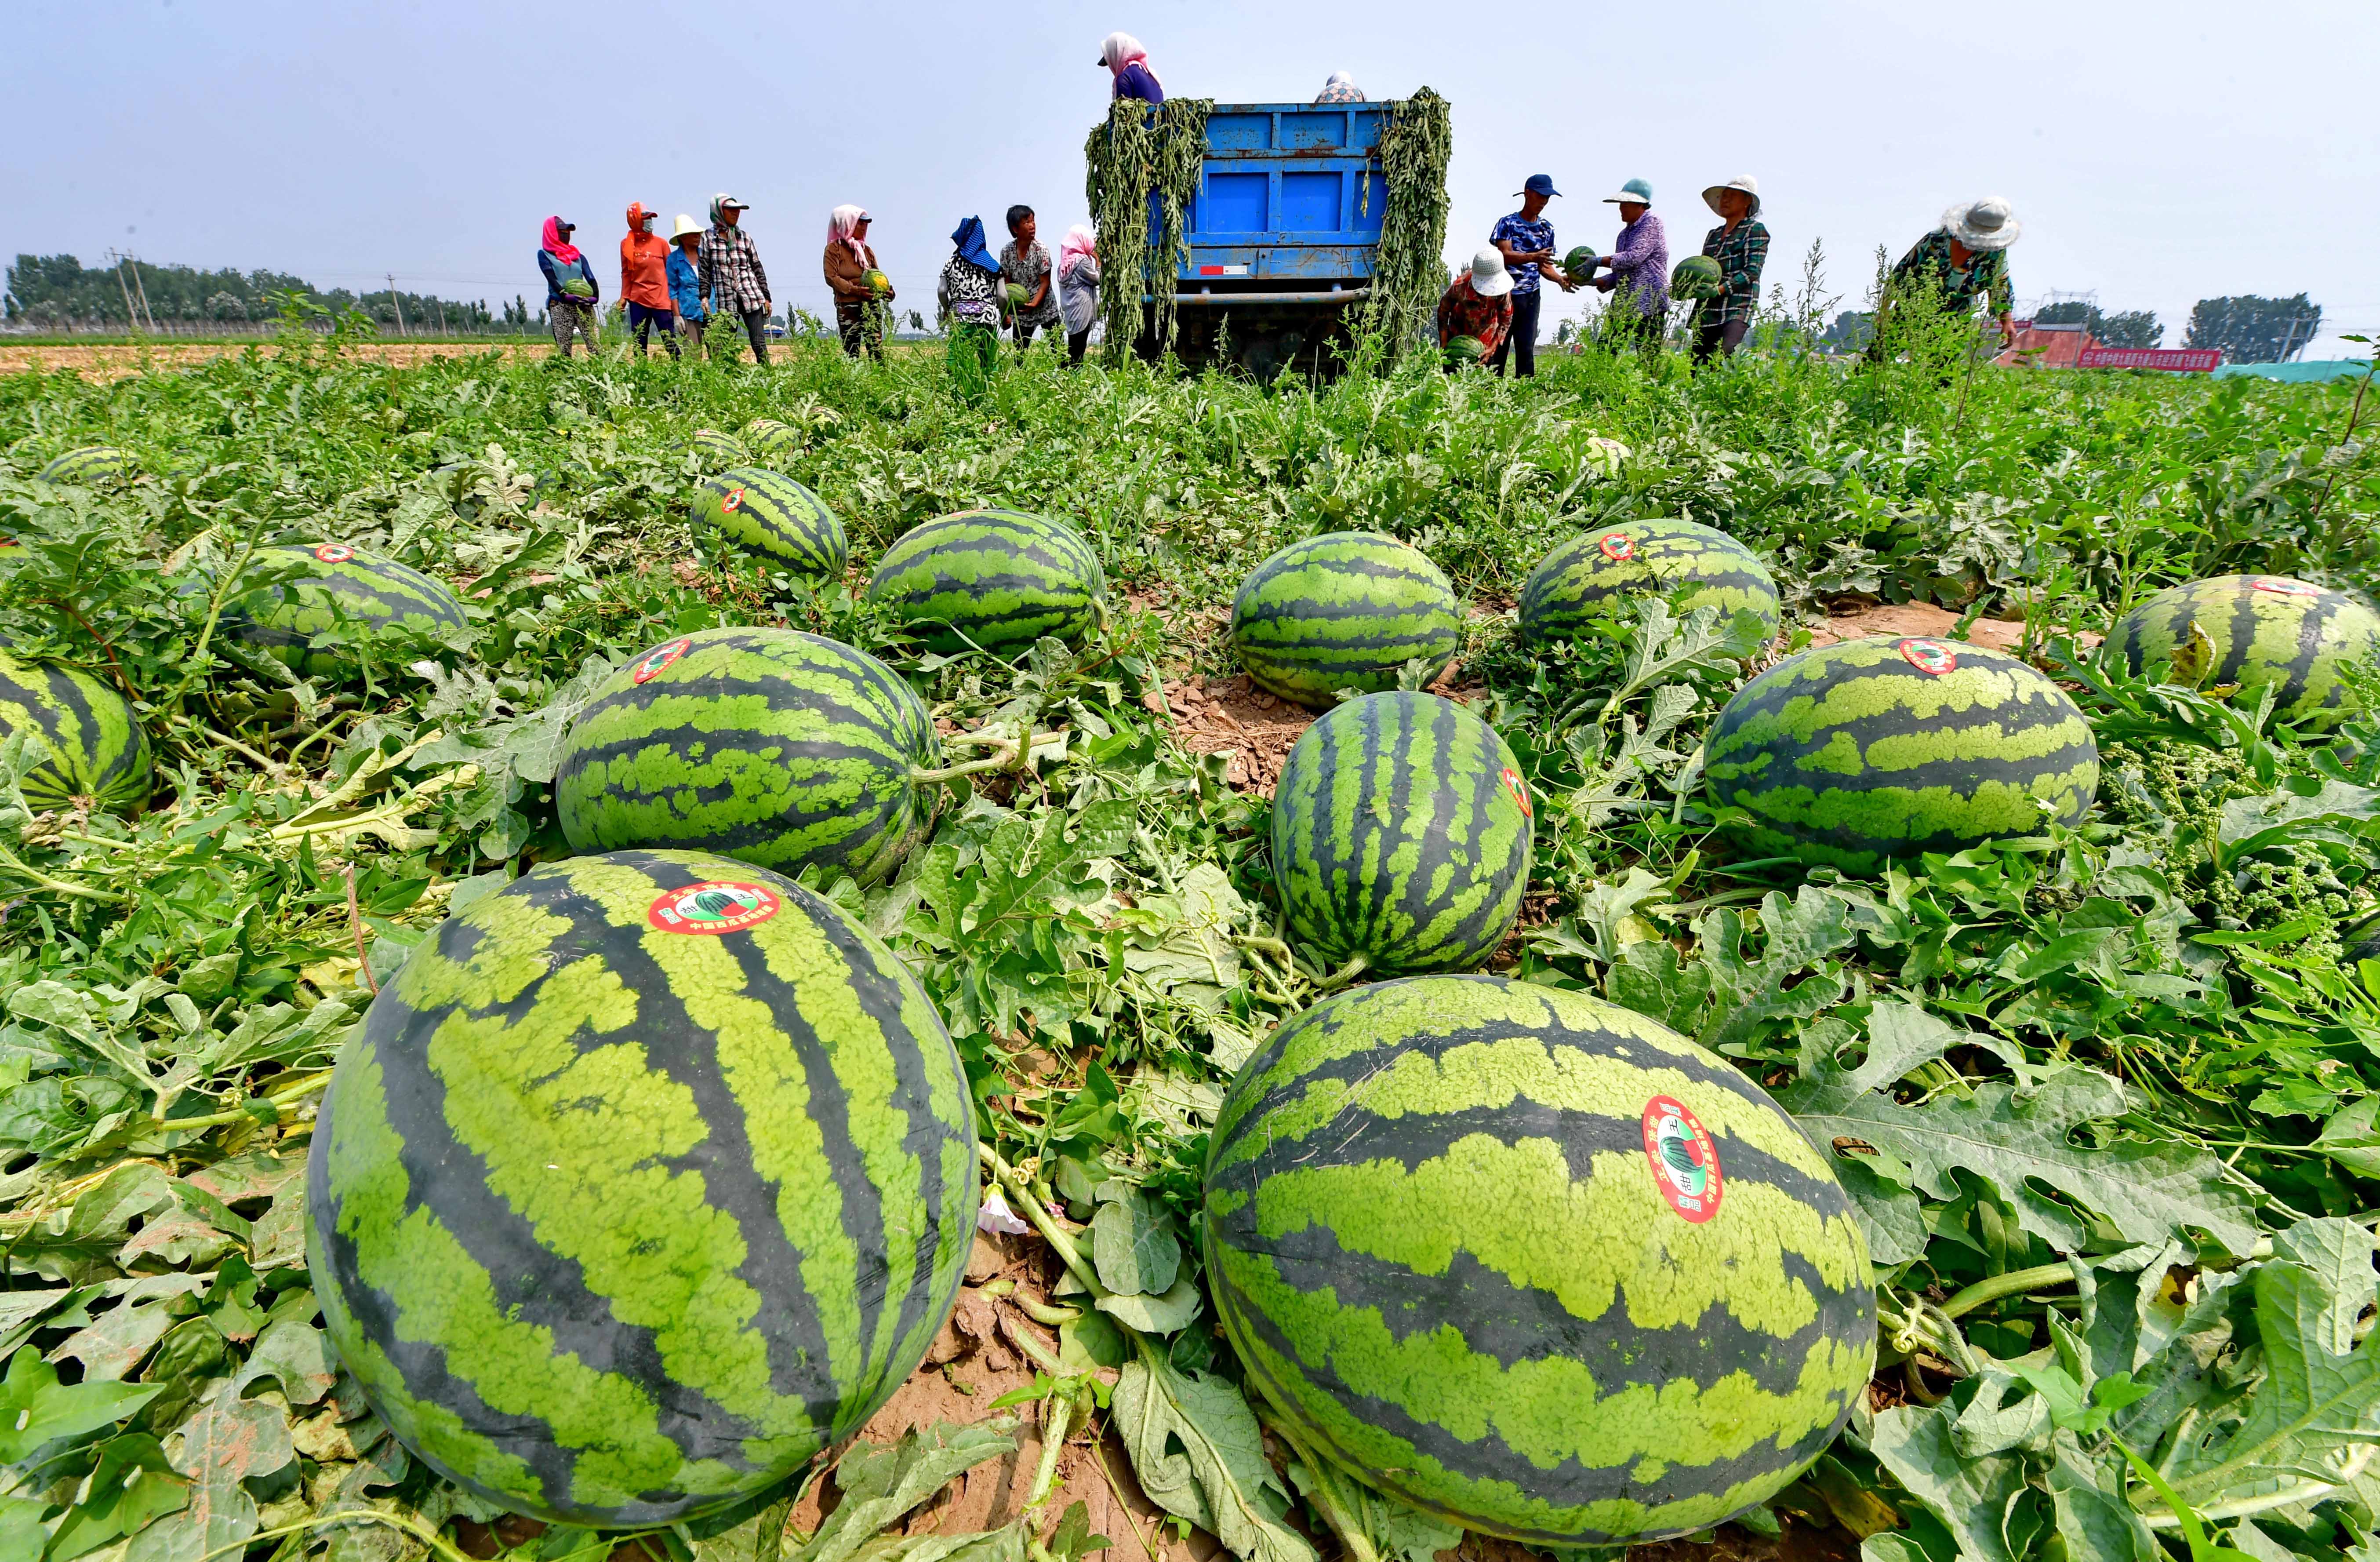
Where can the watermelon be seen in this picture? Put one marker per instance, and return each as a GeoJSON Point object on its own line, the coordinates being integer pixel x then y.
{"type": "Point", "coordinates": [1579, 265]}
{"type": "Point", "coordinates": [718, 449]}
{"type": "Point", "coordinates": [878, 283]}
{"type": "Point", "coordinates": [353, 596]}
{"type": "Point", "coordinates": [998, 579]}
{"type": "Point", "coordinates": [2264, 629]}
{"type": "Point", "coordinates": [91, 466]}
{"type": "Point", "coordinates": [1534, 1263]}
{"type": "Point", "coordinates": [776, 747]}
{"type": "Point", "coordinates": [651, 1176]}
{"type": "Point", "coordinates": [578, 288]}
{"type": "Point", "coordinates": [87, 744]}
{"type": "Point", "coordinates": [1344, 610]}
{"type": "Point", "coordinates": [770, 513]}
{"type": "Point", "coordinates": [771, 440]}
{"type": "Point", "coordinates": [1464, 349]}
{"type": "Point", "coordinates": [1594, 574]}
{"type": "Point", "coordinates": [1851, 753]}
{"type": "Point", "coordinates": [1401, 834]}
{"type": "Point", "coordinates": [1697, 277]}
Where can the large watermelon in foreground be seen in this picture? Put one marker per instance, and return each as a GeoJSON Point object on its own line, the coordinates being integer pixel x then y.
{"type": "Point", "coordinates": [96, 747]}
{"type": "Point", "coordinates": [651, 1176]}
{"type": "Point", "coordinates": [779, 748]}
{"type": "Point", "coordinates": [1594, 574]}
{"type": "Point", "coordinates": [2264, 629]}
{"type": "Point", "coordinates": [769, 512]}
{"type": "Point", "coordinates": [353, 595]}
{"type": "Point", "coordinates": [1402, 832]}
{"type": "Point", "coordinates": [1532, 1261]}
{"type": "Point", "coordinates": [1344, 610]}
{"type": "Point", "coordinates": [998, 579]}
{"type": "Point", "coordinates": [1851, 753]}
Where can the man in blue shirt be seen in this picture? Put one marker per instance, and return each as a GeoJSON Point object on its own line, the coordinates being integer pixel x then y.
{"type": "Point", "coordinates": [1528, 242]}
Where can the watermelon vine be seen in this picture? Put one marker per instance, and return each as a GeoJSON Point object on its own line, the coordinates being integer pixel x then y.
{"type": "Point", "coordinates": [1136, 155]}
{"type": "Point", "coordinates": [1409, 268]}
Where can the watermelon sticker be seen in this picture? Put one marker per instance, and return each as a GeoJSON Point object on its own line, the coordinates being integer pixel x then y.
{"type": "Point", "coordinates": [334, 553]}
{"type": "Point", "coordinates": [734, 502]}
{"type": "Point", "coordinates": [1684, 1161]}
{"type": "Point", "coordinates": [1520, 792]}
{"type": "Point", "coordinates": [2285, 588]}
{"type": "Point", "coordinates": [713, 906]}
{"type": "Point", "coordinates": [1619, 547]}
{"type": "Point", "coordinates": [656, 660]}
{"type": "Point", "coordinates": [1930, 656]}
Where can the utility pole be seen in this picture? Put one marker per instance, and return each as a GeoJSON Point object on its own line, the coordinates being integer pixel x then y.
{"type": "Point", "coordinates": [142, 289]}
{"type": "Point", "coordinates": [131, 320]}
{"type": "Point", "coordinates": [440, 305]}
{"type": "Point", "coordinates": [393, 304]}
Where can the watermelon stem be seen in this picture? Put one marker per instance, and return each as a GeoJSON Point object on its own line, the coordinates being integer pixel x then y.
{"type": "Point", "coordinates": [1323, 1492]}
{"type": "Point", "coordinates": [1064, 1245]}
{"type": "Point", "coordinates": [8, 860]}
{"type": "Point", "coordinates": [1357, 964]}
{"type": "Point", "coordinates": [2011, 1284]}
{"type": "Point", "coordinates": [418, 1531]}
{"type": "Point", "coordinates": [972, 767]}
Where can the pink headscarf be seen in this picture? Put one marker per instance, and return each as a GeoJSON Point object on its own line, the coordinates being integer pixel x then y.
{"type": "Point", "coordinates": [555, 245]}
{"type": "Point", "coordinates": [1122, 49]}
{"type": "Point", "coordinates": [1079, 241]}
{"type": "Point", "coordinates": [843, 228]}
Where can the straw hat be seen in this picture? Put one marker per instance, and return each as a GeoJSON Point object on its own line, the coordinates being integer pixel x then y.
{"type": "Point", "coordinates": [1744, 182]}
{"type": "Point", "coordinates": [1488, 277]}
{"type": "Point", "coordinates": [1988, 224]}
{"type": "Point", "coordinates": [686, 225]}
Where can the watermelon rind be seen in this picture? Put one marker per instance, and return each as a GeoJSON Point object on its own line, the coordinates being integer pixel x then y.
{"type": "Point", "coordinates": [650, 1177]}
{"type": "Point", "coordinates": [1593, 574]}
{"type": "Point", "coordinates": [1343, 610]}
{"type": "Point", "coordinates": [770, 439]}
{"type": "Point", "coordinates": [86, 745]}
{"type": "Point", "coordinates": [1402, 832]}
{"type": "Point", "coordinates": [1534, 1263]}
{"type": "Point", "coordinates": [353, 597]}
{"type": "Point", "coordinates": [1850, 754]}
{"type": "Point", "coordinates": [995, 579]}
{"type": "Point", "coordinates": [717, 448]}
{"type": "Point", "coordinates": [91, 466]}
{"type": "Point", "coordinates": [1465, 349]}
{"type": "Point", "coordinates": [768, 512]}
{"type": "Point", "coordinates": [1697, 277]}
{"type": "Point", "coordinates": [2263, 630]}
{"type": "Point", "coordinates": [777, 747]}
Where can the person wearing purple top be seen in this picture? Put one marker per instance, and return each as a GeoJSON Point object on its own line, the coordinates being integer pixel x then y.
{"type": "Point", "coordinates": [1123, 57]}
{"type": "Point", "coordinates": [1639, 262]}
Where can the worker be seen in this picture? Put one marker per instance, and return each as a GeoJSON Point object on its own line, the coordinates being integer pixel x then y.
{"type": "Point", "coordinates": [1025, 263]}
{"type": "Point", "coordinates": [859, 308]}
{"type": "Point", "coordinates": [1078, 288]}
{"type": "Point", "coordinates": [1739, 244]}
{"type": "Point", "coordinates": [1526, 242]}
{"type": "Point", "coordinates": [1479, 304]}
{"type": "Point", "coordinates": [686, 281]}
{"type": "Point", "coordinates": [1340, 87]}
{"type": "Point", "coordinates": [968, 297]}
{"type": "Point", "coordinates": [732, 278]}
{"type": "Point", "coordinates": [1640, 263]}
{"type": "Point", "coordinates": [1123, 55]}
{"type": "Point", "coordinates": [1966, 256]}
{"type": "Point", "coordinates": [644, 281]}
{"type": "Point", "coordinates": [570, 291]}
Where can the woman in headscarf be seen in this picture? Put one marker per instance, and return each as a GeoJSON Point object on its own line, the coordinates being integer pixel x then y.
{"type": "Point", "coordinates": [1340, 87]}
{"type": "Point", "coordinates": [1123, 55]}
{"type": "Point", "coordinates": [968, 297]}
{"type": "Point", "coordinates": [644, 281]}
{"type": "Point", "coordinates": [859, 308]}
{"type": "Point", "coordinates": [1078, 287]}
{"type": "Point", "coordinates": [570, 291]}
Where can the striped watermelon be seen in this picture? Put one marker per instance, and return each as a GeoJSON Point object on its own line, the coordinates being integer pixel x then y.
{"type": "Point", "coordinates": [1851, 753]}
{"type": "Point", "coordinates": [2264, 629]}
{"type": "Point", "coordinates": [770, 439]}
{"type": "Point", "coordinates": [353, 595]}
{"type": "Point", "coordinates": [1344, 610]}
{"type": "Point", "coordinates": [1697, 277]}
{"type": "Point", "coordinates": [718, 449]}
{"type": "Point", "coordinates": [96, 747]}
{"type": "Point", "coordinates": [1591, 575]}
{"type": "Point", "coordinates": [769, 512]}
{"type": "Point", "coordinates": [1400, 833]}
{"type": "Point", "coordinates": [1534, 1263]}
{"type": "Point", "coordinates": [998, 579]}
{"type": "Point", "coordinates": [651, 1176]}
{"type": "Point", "coordinates": [776, 747]}
{"type": "Point", "coordinates": [89, 466]}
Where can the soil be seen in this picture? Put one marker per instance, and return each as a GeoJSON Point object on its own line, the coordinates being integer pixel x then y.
{"type": "Point", "coordinates": [1919, 618]}
{"type": "Point", "coordinates": [122, 362]}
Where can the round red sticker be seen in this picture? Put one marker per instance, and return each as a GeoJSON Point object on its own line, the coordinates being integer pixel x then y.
{"type": "Point", "coordinates": [334, 553]}
{"type": "Point", "coordinates": [1929, 656]}
{"type": "Point", "coordinates": [1617, 546]}
{"type": "Point", "coordinates": [1684, 1161]}
{"type": "Point", "coordinates": [713, 906]}
{"type": "Point", "coordinates": [650, 665]}
{"type": "Point", "coordinates": [1520, 792]}
{"type": "Point", "coordinates": [734, 502]}
{"type": "Point", "coordinates": [2285, 588]}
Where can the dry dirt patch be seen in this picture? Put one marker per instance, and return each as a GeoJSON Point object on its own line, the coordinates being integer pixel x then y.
{"type": "Point", "coordinates": [122, 362]}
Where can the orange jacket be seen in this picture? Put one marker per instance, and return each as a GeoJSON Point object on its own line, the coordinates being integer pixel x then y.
{"type": "Point", "coordinates": [644, 262]}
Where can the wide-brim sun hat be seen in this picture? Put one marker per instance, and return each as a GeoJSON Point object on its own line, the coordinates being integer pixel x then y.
{"type": "Point", "coordinates": [687, 226]}
{"type": "Point", "coordinates": [1488, 277]}
{"type": "Point", "coordinates": [1988, 224]}
{"type": "Point", "coordinates": [1635, 192]}
{"type": "Point", "coordinates": [1744, 182]}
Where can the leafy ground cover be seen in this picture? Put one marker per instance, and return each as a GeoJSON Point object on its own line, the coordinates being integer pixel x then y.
{"type": "Point", "coordinates": [2106, 1098]}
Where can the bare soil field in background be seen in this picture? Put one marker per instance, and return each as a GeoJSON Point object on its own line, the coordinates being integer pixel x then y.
{"type": "Point", "coordinates": [121, 363]}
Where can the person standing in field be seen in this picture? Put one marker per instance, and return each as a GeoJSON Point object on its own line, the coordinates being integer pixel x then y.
{"type": "Point", "coordinates": [1739, 244]}
{"type": "Point", "coordinates": [733, 279]}
{"type": "Point", "coordinates": [1526, 241]}
{"type": "Point", "coordinates": [1479, 304]}
{"type": "Point", "coordinates": [968, 298]}
{"type": "Point", "coordinates": [1123, 55]}
{"type": "Point", "coordinates": [1640, 263]}
{"type": "Point", "coordinates": [644, 281]}
{"type": "Point", "coordinates": [1078, 288]}
{"type": "Point", "coordinates": [570, 291]}
{"type": "Point", "coordinates": [686, 281]}
{"type": "Point", "coordinates": [859, 308]}
{"type": "Point", "coordinates": [1964, 259]}
{"type": "Point", "coordinates": [1024, 264]}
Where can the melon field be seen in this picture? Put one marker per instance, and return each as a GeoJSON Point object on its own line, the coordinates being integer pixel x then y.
{"type": "Point", "coordinates": [1203, 1004]}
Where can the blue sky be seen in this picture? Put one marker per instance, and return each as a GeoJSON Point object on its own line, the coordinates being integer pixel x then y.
{"type": "Point", "coordinates": [2156, 153]}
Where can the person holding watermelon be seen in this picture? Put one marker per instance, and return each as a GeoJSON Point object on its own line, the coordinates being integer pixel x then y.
{"type": "Point", "coordinates": [1024, 271]}
{"type": "Point", "coordinates": [860, 290]}
{"type": "Point", "coordinates": [570, 292]}
{"type": "Point", "coordinates": [1639, 262]}
{"type": "Point", "coordinates": [1477, 308]}
{"type": "Point", "coordinates": [1739, 244]}
{"type": "Point", "coordinates": [1526, 242]}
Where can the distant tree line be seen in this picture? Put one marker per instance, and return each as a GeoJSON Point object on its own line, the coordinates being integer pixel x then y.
{"type": "Point", "coordinates": [2248, 328]}
{"type": "Point", "coordinates": [2131, 328]}
{"type": "Point", "coordinates": [58, 292]}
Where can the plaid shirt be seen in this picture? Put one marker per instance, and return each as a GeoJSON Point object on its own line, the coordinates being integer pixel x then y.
{"type": "Point", "coordinates": [1740, 255]}
{"type": "Point", "coordinates": [730, 264]}
{"type": "Point", "coordinates": [1462, 312]}
{"type": "Point", "coordinates": [1986, 272]}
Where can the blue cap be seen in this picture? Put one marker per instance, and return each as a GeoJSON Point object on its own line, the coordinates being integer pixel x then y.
{"type": "Point", "coordinates": [1635, 192]}
{"type": "Point", "coordinates": [1540, 183]}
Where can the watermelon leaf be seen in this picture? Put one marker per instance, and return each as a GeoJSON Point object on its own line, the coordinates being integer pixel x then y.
{"type": "Point", "coordinates": [1972, 1496]}
{"type": "Point", "coordinates": [1219, 1481]}
{"type": "Point", "coordinates": [1398, 1531]}
{"type": "Point", "coordinates": [1133, 1242]}
{"type": "Point", "coordinates": [880, 1485]}
{"type": "Point", "coordinates": [35, 1408]}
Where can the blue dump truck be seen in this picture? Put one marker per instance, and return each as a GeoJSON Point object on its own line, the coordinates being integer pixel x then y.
{"type": "Point", "coordinates": [1281, 236]}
